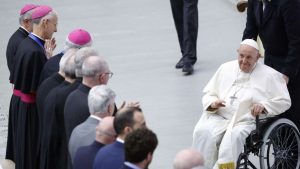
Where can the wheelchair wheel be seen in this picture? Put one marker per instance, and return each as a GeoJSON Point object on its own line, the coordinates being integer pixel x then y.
{"type": "Point", "coordinates": [281, 146]}
{"type": "Point", "coordinates": [242, 162]}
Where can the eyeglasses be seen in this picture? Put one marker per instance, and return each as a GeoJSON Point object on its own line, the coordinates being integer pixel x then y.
{"type": "Point", "coordinates": [110, 74]}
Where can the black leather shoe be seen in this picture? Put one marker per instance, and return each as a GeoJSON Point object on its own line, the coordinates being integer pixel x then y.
{"type": "Point", "coordinates": [180, 64]}
{"type": "Point", "coordinates": [242, 5]}
{"type": "Point", "coordinates": [188, 69]}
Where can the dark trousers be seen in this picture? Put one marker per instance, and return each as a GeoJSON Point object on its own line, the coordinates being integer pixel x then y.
{"type": "Point", "coordinates": [185, 14]}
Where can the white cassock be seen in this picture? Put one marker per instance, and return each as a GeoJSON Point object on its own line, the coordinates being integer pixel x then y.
{"type": "Point", "coordinates": [220, 135]}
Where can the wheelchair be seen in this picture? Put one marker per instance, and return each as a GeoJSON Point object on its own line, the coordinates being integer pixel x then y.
{"type": "Point", "coordinates": [276, 142]}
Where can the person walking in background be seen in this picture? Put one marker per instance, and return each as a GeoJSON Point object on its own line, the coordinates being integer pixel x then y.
{"type": "Point", "coordinates": [185, 15]}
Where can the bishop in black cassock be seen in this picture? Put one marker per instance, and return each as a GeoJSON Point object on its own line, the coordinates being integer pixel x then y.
{"type": "Point", "coordinates": [54, 150]}
{"type": "Point", "coordinates": [76, 39]}
{"type": "Point", "coordinates": [13, 43]}
{"type": "Point", "coordinates": [31, 57]}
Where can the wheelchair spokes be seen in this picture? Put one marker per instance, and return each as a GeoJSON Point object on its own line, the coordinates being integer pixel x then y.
{"type": "Point", "coordinates": [281, 148]}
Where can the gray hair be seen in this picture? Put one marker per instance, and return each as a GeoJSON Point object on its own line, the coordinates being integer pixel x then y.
{"type": "Point", "coordinates": [80, 56]}
{"type": "Point", "coordinates": [26, 15]}
{"type": "Point", "coordinates": [68, 64]}
{"type": "Point", "coordinates": [50, 15]}
{"type": "Point", "coordinates": [99, 98]}
{"type": "Point", "coordinates": [94, 65]}
{"type": "Point", "coordinates": [69, 45]}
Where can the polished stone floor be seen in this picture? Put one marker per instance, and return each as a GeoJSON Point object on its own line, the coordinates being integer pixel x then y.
{"type": "Point", "coordinates": [138, 39]}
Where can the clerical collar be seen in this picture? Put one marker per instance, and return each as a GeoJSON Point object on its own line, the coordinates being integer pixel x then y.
{"type": "Point", "coordinates": [120, 140]}
{"type": "Point", "coordinates": [38, 36]}
{"type": "Point", "coordinates": [24, 29]}
{"type": "Point", "coordinates": [131, 165]}
{"type": "Point", "coordinates": [37, 39]}
{"type": "Point", "coordinates": [96, 117]}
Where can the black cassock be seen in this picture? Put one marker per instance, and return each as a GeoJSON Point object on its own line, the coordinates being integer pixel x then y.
{"type": "Point", "coordinates": [13, 43]}
{"type": "Point", "coordinates": [43, 90]}
{"type": "Point", "coordinates": [51, 67]}
{"type": "Point", "coordinates": [30, 58]}
{"type": "Point", "coordinates": [54, 147]}
{"type": "Point", "coordinates": [12, 46]}
{"type": "Point", "coordinates": [76, 109]}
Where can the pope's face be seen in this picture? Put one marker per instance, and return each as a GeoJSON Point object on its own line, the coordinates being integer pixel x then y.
{"type": "Point", "coordinates": [247, 58]}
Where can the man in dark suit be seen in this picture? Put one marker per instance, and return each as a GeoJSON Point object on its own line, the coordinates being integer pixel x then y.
{"type": "Point", "coordinates": [105, 134]}
{"type": "Point", "coordinates": [112, 156]}
{"type": "Point", "coordinates": [185, 15]}
{"type": "Point", "coordinates": [278, 25]}
{"type": "Point", "coordinates": [139, 148]}
{"type": "Point", "coordinates": [101, 100]}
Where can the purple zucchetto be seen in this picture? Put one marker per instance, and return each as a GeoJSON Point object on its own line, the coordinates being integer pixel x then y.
{"type": "Point", "coordinates": [27, 8]}
{"type": "Point", "coordinates": [40, 11]}
{"type": "Point", "coordinates": [79, 37]}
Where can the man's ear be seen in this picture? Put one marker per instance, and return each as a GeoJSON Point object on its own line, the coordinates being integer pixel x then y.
{"type": "Point", "coordinates": [149, 156]}
{"type": "Point", "coordinates": [127, 129]}
{"type": "Point", "coordinates": [258, 56]}
{"type": "Point", "coordinates": [110, 109]}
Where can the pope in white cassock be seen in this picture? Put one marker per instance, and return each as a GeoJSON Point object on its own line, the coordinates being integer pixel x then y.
{"type": "Point", "coordinates": [238, 91]}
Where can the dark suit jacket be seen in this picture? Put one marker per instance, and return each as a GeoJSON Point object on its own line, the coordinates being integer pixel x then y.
{"type": "Point", "coordinates": [84, 158]}
{"type": "Point", "coordinates": [111, 156]}
{"type": "Point", "coordinates": [76, 109]}
{"type": "Point", "coordinates": [279, 29]}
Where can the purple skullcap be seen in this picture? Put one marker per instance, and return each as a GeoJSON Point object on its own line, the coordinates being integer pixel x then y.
{"type": "Point", "coordinates": [40, 11]}
{"type": "Point", "coordinates": [79, 37]}
{"type": "Point", "coordinates": [27, 8]}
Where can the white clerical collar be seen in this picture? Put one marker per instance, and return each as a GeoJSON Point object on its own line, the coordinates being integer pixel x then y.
{"type": "Point", "coordinates": [96, 117]}
{"type": "Point", "coordinates": [129, 164]}
{"type": "Point", "coordinates": [120, 140]}
{"type": "Point", "coordinates": [38, 36]}
{"type": "Point", "coordinates": [24, 29]}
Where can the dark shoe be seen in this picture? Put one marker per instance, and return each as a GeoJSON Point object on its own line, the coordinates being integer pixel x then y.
{"type": "Point", "coordinates": [242, 5]}
{"type": "Point", "coordinates": [188, 69]}
{"type": "Point", "coordinates": [180, 64]}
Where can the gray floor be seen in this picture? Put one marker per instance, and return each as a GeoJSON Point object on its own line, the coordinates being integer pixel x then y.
{"type": "Point", "coordinates": [138, 39]}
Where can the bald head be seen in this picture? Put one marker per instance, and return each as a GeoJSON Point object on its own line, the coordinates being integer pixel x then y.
{"type": "Point", "coordinates": [105, 132]}
{"type": "Point", "coordinates": [188, 159]}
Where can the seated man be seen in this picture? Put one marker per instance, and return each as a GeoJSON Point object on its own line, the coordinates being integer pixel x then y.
{"type": "Point", "coordinates": [239, 90]}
